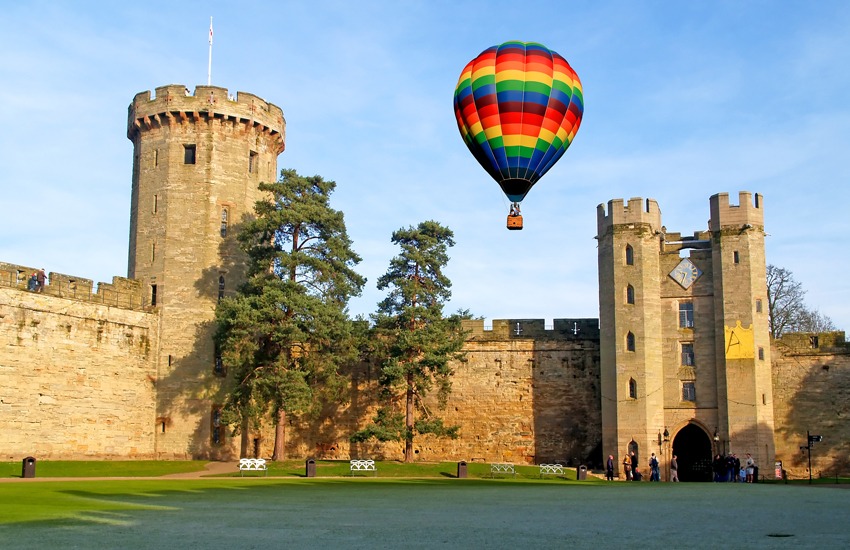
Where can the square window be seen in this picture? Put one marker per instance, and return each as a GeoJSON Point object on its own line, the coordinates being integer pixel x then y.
{"type": "Point", "coordinates": [689, 392]}
{"type": "Point", "coordinates": [686, 315]}
{"type": "Point", "coordinates": [188, 154]}
{"type": "Point", "coordinates": [687, 355]}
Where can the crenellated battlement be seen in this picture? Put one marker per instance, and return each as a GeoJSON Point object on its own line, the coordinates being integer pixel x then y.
{"type": "Point", "coordinates": [748, 211]}
{"type": "Point", "coordinates": [121, 292]}
{"type": "Point", "coordinates": [529, 329]}
{"type": "Point", "coordinates": [636, 211]}
{"type": "Point", "coordinates": [173, 104]}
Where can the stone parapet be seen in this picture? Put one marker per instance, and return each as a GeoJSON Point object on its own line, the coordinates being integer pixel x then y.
{"type": "Point", "coordinates": [172, 105]}
{"type": "Point", "coordinates": [121, 292]}
{"type": "Point", "coordinates": [635, 212]}
{"type": "Point", "coordinates": [747, 212]}
{"type": "Point", "coordinates": [525, 329]}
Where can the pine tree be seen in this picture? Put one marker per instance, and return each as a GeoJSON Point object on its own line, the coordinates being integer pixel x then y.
{"type": "Point", "coordinates": [287, 331]}
{"type": "Point", "coordinates": [413, 342]}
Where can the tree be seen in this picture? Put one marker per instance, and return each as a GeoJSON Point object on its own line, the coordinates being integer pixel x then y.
{"type": "Point", "coordinates": [413, 342]}
{"type": "Point", "coordinates": [787, 310]}
{"type": "Point", "coordinates": [287, 330]}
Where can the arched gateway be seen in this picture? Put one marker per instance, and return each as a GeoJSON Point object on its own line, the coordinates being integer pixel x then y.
{"type": "Point", "coordinates": [692, 447]}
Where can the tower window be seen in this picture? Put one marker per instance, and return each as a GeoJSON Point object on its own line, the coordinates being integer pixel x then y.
{"type": "Point", "coordinates": [630, 342]}
{"type": "Point", "coordinates": [156, 157]}
{"type": "Point", "coordinates": [630, 294]}
{"type": "Point", "coordinates": [153, 251]}
{"type": "Point", "coordinates": [188, 154]}
{"type": "Point", "coordinates": [735, 257]}
{"type": "Point", "coordinates": [686, 315]}
{"type": "Point", "coordinates": [153, 295]}
{"type": "Point", "coordinates": [221, 288]}
{"type": "Point", "coordinates": [155, 201]}
{"type": "Point", "coordinates": [630, 255]}
{"type": "Point", "coordinates": [162, 424]}
{"type": "Point", "coordinates": [761, 354]}
{"type": "Point", "coordinates": [632, 388]}
{"type": "Point", "coordinates": [218, 368]}
{"type": "Point", "coordinates": [252, 162]}
{"type": "Point", "coordinates": [689, 392]}
{"type": "Point", "coordinates": [217, 432]}
{"type": "Point", "coordinates": [223, 223]}
{"type": "Point", "coordinates": [687, 355]}
{"type": "Point", "coordinates": [758, 306]}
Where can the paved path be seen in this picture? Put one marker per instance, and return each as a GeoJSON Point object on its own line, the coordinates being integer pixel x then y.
{"type": "Point", "coordinates": [212, 468]}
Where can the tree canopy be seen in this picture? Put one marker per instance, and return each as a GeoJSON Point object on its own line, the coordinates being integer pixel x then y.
{"type": "Point", "coordinates": [287, 331]}
{"type": "Point", "coordinates": [413, 342]}
{"type": "Point", "coordinates": [787, 309]}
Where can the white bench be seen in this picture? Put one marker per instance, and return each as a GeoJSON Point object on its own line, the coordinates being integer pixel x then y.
{"type": "Point", "coordinates": [551, 470]}
{"type": "Point", "coordinates": [252, 465]}
{"type": "Point", "coordinates": [502, 468]}
{"type": "Point", "coordinates": [363, 466]}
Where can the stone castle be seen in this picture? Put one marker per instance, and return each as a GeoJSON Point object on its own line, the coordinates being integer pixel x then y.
{"type": "Point", "coordinates": [680, 360]}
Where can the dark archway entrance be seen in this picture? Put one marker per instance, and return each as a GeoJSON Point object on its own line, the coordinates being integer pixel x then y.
{"type": "Point", "coordinates": [693, 449]}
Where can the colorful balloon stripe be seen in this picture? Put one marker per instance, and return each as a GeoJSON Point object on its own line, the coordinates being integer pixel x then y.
{"type": "Point", "coordinates": [518, 107]}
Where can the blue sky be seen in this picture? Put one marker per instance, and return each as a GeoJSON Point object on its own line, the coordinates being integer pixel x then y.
{"type": "Point", "coordinates": [683, 100]}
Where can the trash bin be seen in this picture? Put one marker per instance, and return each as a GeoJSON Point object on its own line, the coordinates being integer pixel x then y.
{"type": "Point", "coordinates": [28, 469]}
{"type": "Point", "coordinates": [755, 474]}
{"type": "Point", "coordinates": [581, 473]}
{"type": "Point", "coordinates": [461, 469]}
{"type": "Point", "coordinates": [311, 468]}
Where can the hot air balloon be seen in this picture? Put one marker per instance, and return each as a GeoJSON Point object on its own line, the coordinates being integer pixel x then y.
{"type": "Point", "coordinates": [518, 107]}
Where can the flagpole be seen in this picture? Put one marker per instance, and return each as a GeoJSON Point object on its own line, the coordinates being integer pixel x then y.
{"type": "Point", "coordinates": [209, 67]}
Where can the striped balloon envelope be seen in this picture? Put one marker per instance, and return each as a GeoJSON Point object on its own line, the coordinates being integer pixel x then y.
{"type": "Point", "coordinates": [518, 107]}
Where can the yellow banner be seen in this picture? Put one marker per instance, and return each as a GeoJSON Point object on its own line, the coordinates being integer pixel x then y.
{"type": "Point", "coordinates": [739, 342]}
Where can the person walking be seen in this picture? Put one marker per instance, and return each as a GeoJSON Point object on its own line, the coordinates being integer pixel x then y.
{"type": "Point", "coordinates": [609, 468]}
{"type": "Point", "coordinates": [32, 284]}
{"type": "Point", "coordinates": [674, 469]}
{"type": "Point", "coordinates": [730, 468]}
{"type": "Point", "coordinates": [654, 474]}
{"type": "Point", "coordinates": [751, 464]}
{"type": "Point", "coordinates": [627, 467]}
{"type": "Point", "coordinates": [737, 466]}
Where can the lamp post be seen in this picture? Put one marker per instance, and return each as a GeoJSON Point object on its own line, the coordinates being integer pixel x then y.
{"type": "Point", "coordinates": [666, 458]}
{"type": "Point", "coordinates": [716, 442]}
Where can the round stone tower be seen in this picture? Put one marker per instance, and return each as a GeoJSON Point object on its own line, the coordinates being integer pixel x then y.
{"type": "Point", "coordinates": [198, 160]}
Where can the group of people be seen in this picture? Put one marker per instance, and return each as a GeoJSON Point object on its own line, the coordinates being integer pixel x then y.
{"type": "Point", "coordinates": [36, 281]}
{"type": "Point", "coordinates": [729, 468]}
{"type": "Point", "coordinates": [631, 469]}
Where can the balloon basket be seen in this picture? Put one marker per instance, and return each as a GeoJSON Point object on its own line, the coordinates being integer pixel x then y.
{"type": "Point", "coordinates": [515, 223]}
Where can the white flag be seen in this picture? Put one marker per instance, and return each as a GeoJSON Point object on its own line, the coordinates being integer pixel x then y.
{"type": "Point", "coordinates": [210, 31]}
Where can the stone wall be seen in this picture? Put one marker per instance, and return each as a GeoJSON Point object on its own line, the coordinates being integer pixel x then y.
{"type": "Point", "coordinates": [811, 391]}
{"type": "Point", "coordinates": [76, 378]}
{"type": "Point", "coordinates": [530, 398]}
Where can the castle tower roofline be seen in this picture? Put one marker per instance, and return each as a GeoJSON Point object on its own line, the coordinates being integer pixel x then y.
{"type": "Point", "coordinates": [636, 211]}
{"type": "Point", "coordinates": [747, 212]}
{"type": "Point", "coordinates": [171, 104]}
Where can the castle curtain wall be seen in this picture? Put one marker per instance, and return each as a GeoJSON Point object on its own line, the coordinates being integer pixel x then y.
{"type": "Point", "coordinates": [76, 378]}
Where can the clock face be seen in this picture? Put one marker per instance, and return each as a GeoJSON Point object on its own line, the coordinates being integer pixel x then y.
{"type": "Point", "coordinates": [685, 273]}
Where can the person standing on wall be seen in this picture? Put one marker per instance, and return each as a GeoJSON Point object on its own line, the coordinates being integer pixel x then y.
{"type": "Point", "coordinates": [32, 284]}
{"type": "Point", "coordinates": [674, 469]}
{"type": "Point", "coordinates": [627, 467]}
{"type": "Point", "coordinates": [40, 276]}
{"type": "Point", "coordinates": [609, 468]}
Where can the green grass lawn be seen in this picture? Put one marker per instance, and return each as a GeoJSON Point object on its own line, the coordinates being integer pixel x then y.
{"type": "Point", "coordinates": [392, 469]}
{"type": "Point", "coordinates": [104, 468]}
{"type": "Point", "coordinates": [432, 513]}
